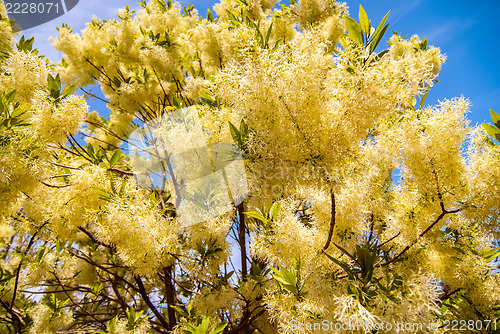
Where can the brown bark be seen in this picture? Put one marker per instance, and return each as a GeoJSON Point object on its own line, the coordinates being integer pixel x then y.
{"type": "Point", "coordinates": [170, 295]}
{"type": "Point", "coordinates": [242, 241]}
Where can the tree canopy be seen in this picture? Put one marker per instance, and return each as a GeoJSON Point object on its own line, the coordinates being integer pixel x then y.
{"type": "Point", "coordinates": [361, 204]}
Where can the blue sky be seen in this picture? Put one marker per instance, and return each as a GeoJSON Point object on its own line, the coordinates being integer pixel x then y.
{"type": "Point", "coordinates": [466, 32]}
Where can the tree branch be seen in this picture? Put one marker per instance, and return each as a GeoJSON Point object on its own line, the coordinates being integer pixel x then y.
{"type": "Point", "coordinates": [14, 316]}
{"type": "Point", "coordinates": [448, 294]}
{"type": "Point", "coordinates": [332, 222]}
{"type": "Point", "coordinates": [170, 296]}
{"type": "Point", "coordinates": [145, 297]}
{"type": "Point", "coordinates": [242, 240]}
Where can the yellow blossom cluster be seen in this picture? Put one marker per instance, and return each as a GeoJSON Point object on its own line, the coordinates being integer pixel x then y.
{"type": "Point", "coordinates": [364, 204]}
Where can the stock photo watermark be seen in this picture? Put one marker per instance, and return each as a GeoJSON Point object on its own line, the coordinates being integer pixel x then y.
{"type": "Point", "coordinates": [171, 154]}
{"type": "Point", "coordinates": [25, 14]}
{"type": "Point", "coordinates": [281, 180]}
{"type": "Point", "coordinates": [397, 327]}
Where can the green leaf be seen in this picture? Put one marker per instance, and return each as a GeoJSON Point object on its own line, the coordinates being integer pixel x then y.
{"type": "Point", "coordinates": [364, 22]}
{"type": "Point", "coordinates": [6, 276]}
{"type": "Point", "coordinates": [346, 253]}
{"type": "Point", "coordinates": [10, 96]}
{"type": "Point", "coordinates": [361, 256]}
{"type": "Point", "coordinates": [210, 16]}
{"type": "Point", "coordinates": [233, 18]}
{"type": "Point", "coordinates": [274, 210]}
{"type": "Point", "coordinates": [60, 246]}
{"type": "Point", "coordinates": [229, 274]}
{"type": "Point", "coordinates": [112, 324]}
{"type": "Point", "coordinates": [259, 34]}
{"type": "Point", "coordinates": [312, 315]}
{"type": "Point", "coordinates": [285, 277]}
{"type": "Point", "coordinates": [162, 6]}
{"type": "Point", "coordinates": [25, 45]}
{"type": "Point", "coordinates": [296, 264]}
{"type": "Point", "coordinates": [96, 290]}
{"type": "Point", "coordinates": [105, 196]}
{"type": "Point", "coordinates": [235, 133]}
{"type": "Point", "coordinates": [257, 215]}
{"type": "Point", "coordinates": [115, 158]}
{"type": "Point", "coordinates": [353, 290]}
{"type": "Point", "coordinates": [277, 44]}
{"type": "Point", "coordinates": [268, 34]}
{"type": "Point", "coordinates": [255, 269]}
{"type": "Point", "coordinates": [343, 265]}
{"type": "Point", "coordinates": [354, 31]}
{"type": "Point", "coordinates": [133, 318]}
{"type": "Point", "coordinates": [4, 105]}
{"type": "Point", "coordinates": [180, 311]}
{"type": "Point", "coordinates": [219, 328]}
{"type": "Point", "coordinates": [28, 45]}
{"type": "Point", "coordinates": [113, 42]}
{"type": "Point", "coordinates": [203, 327]}
{"type": "Point", "coordinates": [491, 254]}
{"type": "Point", "coordinates": [366, 258]}
{"type": "Point", "coordinates": [21, 125]}
{"type": "Point", "coordinates": [495, 118]}
{"type": "Point", "coordinates": [243, 129]}
{"type": "Point", "coordinates": [207, 97]}
{"type": "Point", "coordinates": [40, 253]}
{"type": "Point", "coordinates": [492, 131]}
{"type": "Point", "coordinates": [377, 36]}
{"type": "Point", "coordinates": [90, 151]}
{"type": "Point", "coordinates": [423, 44]}
{"type": "Point", "coordinates": [191, 329]}
{"type": "Point", "coordinates": [20, 110]}
{"type": "Point", "coordinates": [287, 286]}
{"type": "Point", "coordinates": [424, 97]}
{"type": "Point", "coordinates": [117, 82]}
{"type": "Point", "coordinates": [379, 33]}
{"type": "Point", "coordinates": [68, 90]}
{"type": "Point", "coordinates": [58, 81]}
{"type": "Point", "coordinates": [54, 85]}
{"type": "Point", "coordinates": [176, 102]}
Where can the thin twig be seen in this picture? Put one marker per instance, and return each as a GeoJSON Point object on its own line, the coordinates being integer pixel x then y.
{"type": "Point", "coordinates": [55, 186]}
{"type": "Point", "coordinates": [63, 166]}
{"type": "Point", "coordinates": [392, 238]}
{"type": "Point", "coordinates": [94, 96]}
{"type": "Point", "coordinates": [18, 272]}
{"type": "Point", "coordinates": [94, 239]}
{"type": "Point", "coordinates": [120, 171]}
{"type": "Point", "coordinates": [437, 220]}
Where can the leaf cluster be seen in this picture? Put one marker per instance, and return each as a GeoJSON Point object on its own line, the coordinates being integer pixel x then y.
{"type": "Point", "coordinates": [493, 130]}
{"type": "Point", "coordinates": [11, 113]}
{"type": "Point", "coordinates": [362, 33]}
{"type": "Point", "coordinates": [290, 280]}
